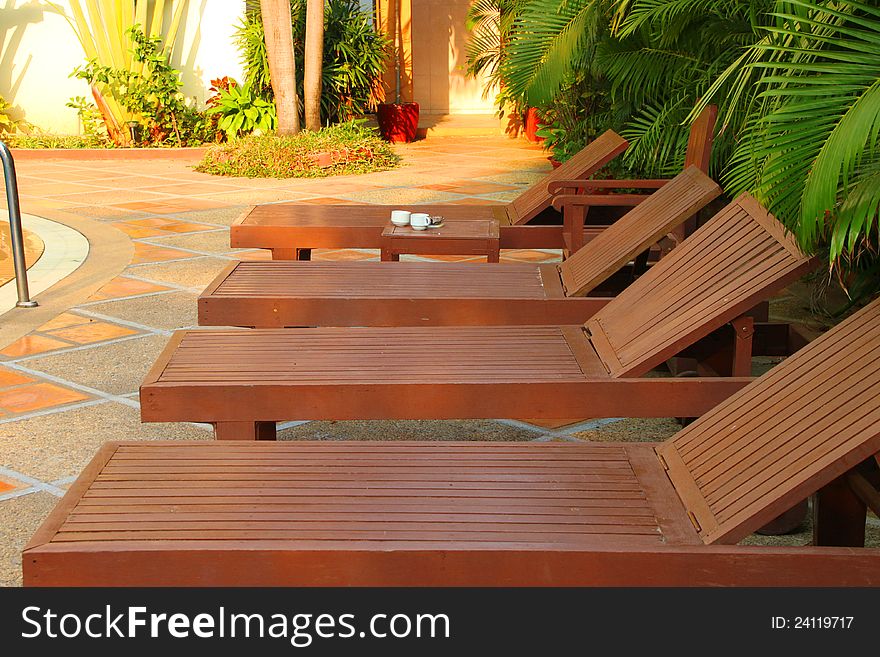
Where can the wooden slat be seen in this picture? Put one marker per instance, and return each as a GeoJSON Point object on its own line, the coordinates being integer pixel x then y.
{"type": "Point", "coordinates": [367, 355]}
{"type": "Point", "coordinates": [584, 164]}
{"type": "Point", "coordinates": [726, 267]}
{"type": "Point", "coordinates": [378, 280]}
{"type": "Point", "coordinates": [784, 437]}
{"type": "Point", "coordinates": [637, 231]}
{"type": "Point", "coordinates": [565, 497]}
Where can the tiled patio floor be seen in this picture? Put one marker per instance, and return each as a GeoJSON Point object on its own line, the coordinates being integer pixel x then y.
{"type": "Point", "coordinates": [72, 383]}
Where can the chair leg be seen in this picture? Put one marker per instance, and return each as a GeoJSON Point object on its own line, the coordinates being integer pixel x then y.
{"type": "Point", "coordinates": [744, 328]}
{"type": "Point", "coordinates": [291, 254]}
{"type": "Point", "coordinates": [573, 220]}
{"type": "Point", "coordinates": [244, 431]}
{"type": "Point", "coordinates": [838, 516]}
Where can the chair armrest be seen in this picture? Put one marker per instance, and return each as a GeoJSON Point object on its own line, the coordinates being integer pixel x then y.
{"type": "Point", "coordinates": [556, 186]}
{"type": "Point", "coordinates": [612, 200]}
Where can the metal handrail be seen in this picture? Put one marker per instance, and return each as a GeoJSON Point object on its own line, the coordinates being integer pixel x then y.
{"type": "Point", "coordinates": [21, 282]}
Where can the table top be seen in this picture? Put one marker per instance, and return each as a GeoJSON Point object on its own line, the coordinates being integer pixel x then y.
{"type": "Point", "coordinates": [459, 229]}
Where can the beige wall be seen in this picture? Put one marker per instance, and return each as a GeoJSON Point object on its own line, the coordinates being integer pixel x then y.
{"type": "Point", "coordinates": [39, 51]}
{"type": "Point", "coordinates": [439, 38]}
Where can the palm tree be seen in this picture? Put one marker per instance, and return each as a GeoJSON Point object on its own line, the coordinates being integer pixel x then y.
{"type": "Point", "coordinates": [278, 28]}
{"type": "Point", "coordinates": [314, 57]}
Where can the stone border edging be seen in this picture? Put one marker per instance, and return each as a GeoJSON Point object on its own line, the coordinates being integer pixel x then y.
{"type": "Point", "coordinates": [110, 252]}
{"type": "Point", "coordinates": [189, 153]}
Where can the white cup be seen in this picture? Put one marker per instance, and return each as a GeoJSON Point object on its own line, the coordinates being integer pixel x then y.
{"type": "Point", "coordinates": [419, 220]}
{"type": "Point", "coordinates": [400, 217]}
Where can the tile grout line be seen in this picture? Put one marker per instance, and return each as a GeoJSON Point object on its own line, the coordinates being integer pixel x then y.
{"type": "Point", "coordinates": [173, 286]}
{"type": "Point", "coordinates": [112, 299]}
{"type": "Point", "coordinates": [565, 434]}
{"type": "Point", "coordinates": [52, 411]}
{"type": "Point", "coordinates": [75, 348]}
{"type": "Point", "coordinates": [34, 483]}
{"type": "Point", "coordinates": [124, 322]}
{"type": "Point", "coordinates": [94, 392]}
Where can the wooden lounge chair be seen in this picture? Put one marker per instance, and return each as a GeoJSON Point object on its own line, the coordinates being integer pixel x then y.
{"type": "Point", "coordinates": [287, 228]}
{"type": "Point", "coordinates": [278, 294]}
{"type": "Point", "coordinates": [291, 230]}
{"type": "Point", "coordinates": [468, 514]}
{"type": "Point", "coordinates": [244, 381]}
{"type": "Point", "coordinates": [575, 207]}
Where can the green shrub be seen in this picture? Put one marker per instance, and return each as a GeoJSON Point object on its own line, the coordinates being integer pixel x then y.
{"type": "Point", "coordinates": [93, 125]}
{"type": "Point", "coordinates": [346, 148]}
{"type": "Point", "coordinates": [8, 125]}
{"type": "Point", "coordinates": [353, 63]}
{"type": "Point", "coordinates": [241, 111]}
{"type": "Point", "coordinates": [153, 95]}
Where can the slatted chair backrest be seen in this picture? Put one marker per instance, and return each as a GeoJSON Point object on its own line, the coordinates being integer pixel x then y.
{"type": "Point", "coordinates": [636, 231]}
{"type": "Point", "coordinates": [702, 136]}
{"type": "Point", "coordinates": [584, 164]}
{"type": "Point", "coordinates": [738, 258]}
{"type": "Point", "coordinates": [774, 443]}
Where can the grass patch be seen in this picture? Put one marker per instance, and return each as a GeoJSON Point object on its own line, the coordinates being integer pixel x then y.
{"type": "Point", "coordinates": [347, 148]}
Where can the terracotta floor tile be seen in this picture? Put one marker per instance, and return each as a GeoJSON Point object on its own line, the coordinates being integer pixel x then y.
{"type": "Point", "coordinates": [64, 320]}
{"type": "Point", "coordinates": [134, 205]}
{"type": "Point", "coordinates": [125, 287]}
{"type": "Point", "coordinates": [164, 208]}
{"type": "Point", "coordinates": [92, 332]}
{"type": "Point", "coordinates": [475, 201]}
{"type": "Point", "coordinates": [152, 222]}
{"type": "Point", "coordinates": [193, 188]}
{"type": "Point", "coordinates": [37, 397]}
{"type": "Point", "coordinates": [58, 188]}
{"type": "Point", "coordinates": [137, 231]}
{"type": "Point", "coordinates": [526, 255]}
{"type": "Point", "coordinates": [185, 227]}
{"type": "Point", "coordinates": [440, 187]}
{"type": "Point", "coordinates": [261, 254]}
{"type": "Point", "coordinates": [32, 344]}
{"type": "Point", "coordinates": [344, 254]}
{"type": "Point", "coordinates": [328, 200]}
{"type": "Point", "coordinates": [149, 253]}
{"type": "Point", "coordinates": [12, 378]}
{"type": "Point", "coordinates": [482, 188]}
{"type": "Point", "coordinates": [188, 204]}
{"type": "Point", "coordinates": [452, 258]}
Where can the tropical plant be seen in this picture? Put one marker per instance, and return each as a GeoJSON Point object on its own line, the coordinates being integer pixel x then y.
{"type": "Point", "coordinates": [353, 58]}
{"type": "Point", "coordinates": [798, 83]}
{"type": "Point", "coordinates": [491, 24]}
{"type": "Point", "coordinates": [241, 111]}
{"type": "Point", "coordinates": [90, 118]}
{"type": "Point", "coordinates": [102, 26]}
{"type": "Point", "coordinates": [278, 33]}
{"type": "Point", "coordinates": [811, 147]}
{"type": "Point", "coordinates": [150, 95]}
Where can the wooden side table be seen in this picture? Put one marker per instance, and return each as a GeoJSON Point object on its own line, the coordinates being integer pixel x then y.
{"type": "Point", "coordinates": [459, 237]}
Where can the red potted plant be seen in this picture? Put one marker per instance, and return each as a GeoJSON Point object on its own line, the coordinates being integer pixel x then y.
{"type": "Point", "coordinates": [398, 122]}
{"type": "Point", "coordinates": [532, 124]}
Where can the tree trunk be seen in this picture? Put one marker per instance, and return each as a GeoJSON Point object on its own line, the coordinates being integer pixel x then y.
{"type": "Point", "coordinates": [314, 56]}
{"type": "Point", "coordinates": [278, 27]}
